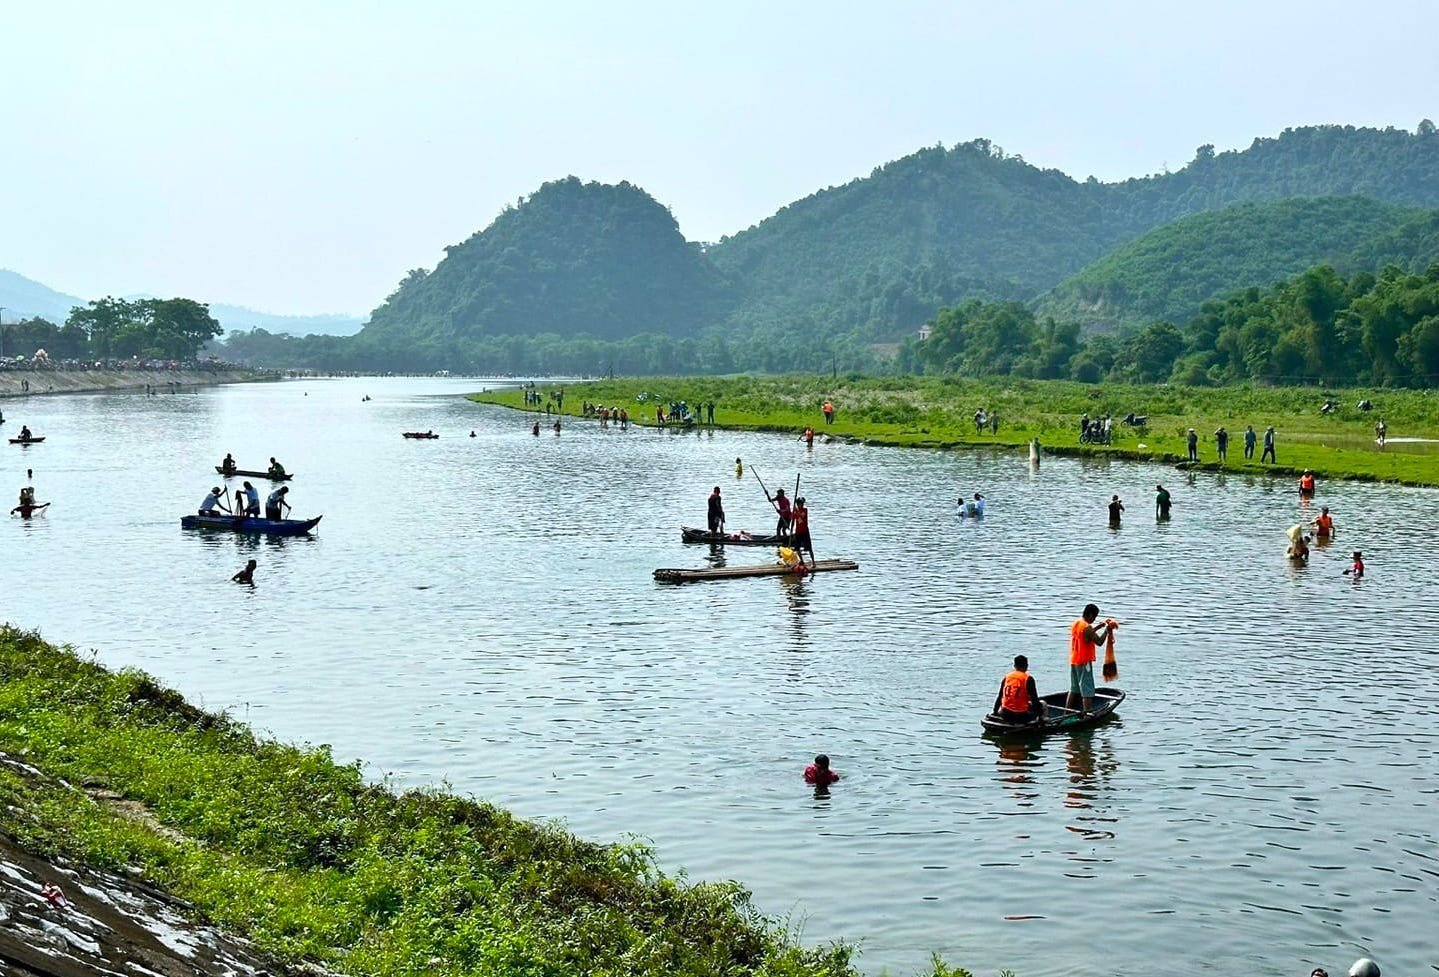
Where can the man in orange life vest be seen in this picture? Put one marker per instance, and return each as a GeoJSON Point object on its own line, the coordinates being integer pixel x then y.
{"type": "Point", "coordinates": [1018, 700]}
{"type": "Point", "coordinates": [1084, 637]}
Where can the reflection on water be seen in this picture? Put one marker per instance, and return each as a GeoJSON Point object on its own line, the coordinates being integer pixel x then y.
{"type": "Point", "coordinates": [497, 628]}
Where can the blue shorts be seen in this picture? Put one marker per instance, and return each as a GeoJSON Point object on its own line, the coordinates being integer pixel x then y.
{"type": "Point", "coordinates": [1081, 680]}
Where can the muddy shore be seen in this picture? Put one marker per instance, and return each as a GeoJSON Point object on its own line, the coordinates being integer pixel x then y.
{"type": "Point", "coordinates": [43, 382]}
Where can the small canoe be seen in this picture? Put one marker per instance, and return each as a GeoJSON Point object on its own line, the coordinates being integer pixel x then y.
{"type": "Point", "coordinates": [1057, 717]}
{"type": "Point", "coordinates": [675, 575]}
{"type": "Point", "coordinates": [246, 524]}
{"type": "Point", "coordinates": [26, 440]}
{"type": "Point", "coordinates": [421, 436]}
{"type": "Point", "coordinates": [690, 535]}
{"type": "Point", "coordinates": [245, 473]}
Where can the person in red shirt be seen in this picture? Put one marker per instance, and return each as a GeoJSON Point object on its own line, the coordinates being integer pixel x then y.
{"type": "Point", "coordinates": [781, 504]}
{"type": "Point", "coordinates": [1357, 570]}
{"type": "Point", "coordinates": [1084, 638]}
{"type": "Point", "coordinates": [800, 538]}
{"type": "Point", "coordinates": [819, 772]}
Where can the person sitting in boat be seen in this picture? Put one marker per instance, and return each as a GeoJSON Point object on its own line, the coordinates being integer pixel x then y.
{"type": "Point", "coordinates": [277, 470]}
{"type": "Point", "coordinates": [24, 433]}
{"type": "Point", "coordinates": [212, 506]}
{"type": "Point", "coordinates": [247, 575]}
{"type": "Point", "coordinates": [1018, 700]}
{"type": "Point", "coordinates": [276, 502]}
{"type": "Point", "coordinates": [819, 773]}
{"type": "Point", "coordinates": [227, 467]}
{"type": "Point", "coordinates": [252, 501]}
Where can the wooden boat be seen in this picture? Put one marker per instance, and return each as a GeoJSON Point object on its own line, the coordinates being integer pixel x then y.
{"type": "Point", "coordinates": [689, 534]}
{"type": "Point", "coordinates": [422, 435]}
{"type": "Point", "coordinates": [247, 524]}
{"type": "Point", "coordinates": [1057, 717]}
{"type": "Point", "coordinates": [246, 473]}
{"type": "Point", "coordinates": [26, 440]}
{"type": "Point", "coordinates": [676, 575]}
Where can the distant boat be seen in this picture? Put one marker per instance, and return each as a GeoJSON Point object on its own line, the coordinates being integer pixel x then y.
{"type": "Point", "coordinates": [26, 440]}
{"type": "Point", "coordinates": [244, 473]}
{"type": "Point", "coordinates": [422, 435]}
{"type": "Point", "coordinates": [1058, 717]}
{"type": "Point", "coordinates": [247, 524]}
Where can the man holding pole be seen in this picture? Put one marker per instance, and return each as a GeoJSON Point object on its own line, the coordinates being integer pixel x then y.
{"type": "Point", "coordinates": [780, 501]}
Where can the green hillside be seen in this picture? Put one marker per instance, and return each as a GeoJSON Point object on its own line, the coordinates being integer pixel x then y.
{"type": "Point", "coordinates": [1413, 246]}
{"type": "Point", "coordinates": [1170, 271]}
{"type": "Point", "coordinates": [573, 258]}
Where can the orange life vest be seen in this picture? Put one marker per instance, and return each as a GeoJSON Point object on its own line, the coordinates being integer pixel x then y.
{"type": "Point", "coordinates": [1016, 692]}
{"type": "Point", "coordinates": [1306, 483]}
{"type": "Point", "coordinates": [1081, 646]}
{"type": "Point", "coordinates": [1324, 524]}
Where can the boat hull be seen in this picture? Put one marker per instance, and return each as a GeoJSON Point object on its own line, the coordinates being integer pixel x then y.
{"type": "Point", "coordinates": [420, 436]}
{"type": "Point", "coordinates": [689, 534]}
{"type": "Point", "coordinates": [1059, 719]}
{"type": "Point", "coordinates": [267, 527]}
{"type": "Point", "coordinates": [245, 473]}
{"type": "Point", "coordinates": [26, 440]}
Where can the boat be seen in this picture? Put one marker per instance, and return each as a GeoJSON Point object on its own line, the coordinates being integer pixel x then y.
{"type": "Point", "coordinates": [26, 440]}
{"type": "Point", "coordinates": [246, 473]}
{"type": "Point", "coordinates": [678, 575]}
{"type": "Point", "coordinates": [688, 534]}
{"type": "Point", "coordinates": [422, 435]}
{"type": "Point", "coordinates": [248, 524]}
{"type": "Point", "coordinates": [1059, 718]}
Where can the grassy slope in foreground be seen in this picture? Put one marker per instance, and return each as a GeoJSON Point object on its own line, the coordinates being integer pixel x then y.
{"type": "Point", "coordinates": [938, 412]}
{"type": "Point", "coordinates": [297, 852]}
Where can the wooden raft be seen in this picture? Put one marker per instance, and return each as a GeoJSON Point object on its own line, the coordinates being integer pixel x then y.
{"type": "Point", "coordinates": [676, 575]}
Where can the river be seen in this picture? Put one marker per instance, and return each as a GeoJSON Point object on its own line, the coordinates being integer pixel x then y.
{"type": "Point", "coordinates": [479, 612]}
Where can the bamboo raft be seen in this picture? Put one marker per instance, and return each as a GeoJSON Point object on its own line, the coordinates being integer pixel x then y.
{"type": "Point", "coordinates": [676, 575]}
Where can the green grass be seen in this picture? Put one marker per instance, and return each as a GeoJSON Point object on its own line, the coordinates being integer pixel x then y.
{"type": "Point", "coordinates": [938, 412]}
{"type": "Point", "coordinates": [300, 854]}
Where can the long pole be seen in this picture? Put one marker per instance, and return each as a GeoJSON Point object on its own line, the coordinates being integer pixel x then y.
{"type": "Point", "coordinates": [763, 489]}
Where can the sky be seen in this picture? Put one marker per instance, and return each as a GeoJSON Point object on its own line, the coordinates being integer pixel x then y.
{"type": "Point", "coordinates": [300, 157]}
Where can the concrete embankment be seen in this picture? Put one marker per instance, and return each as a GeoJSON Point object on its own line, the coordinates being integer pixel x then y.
{"type": "Point", "coordinates": [12, 382]}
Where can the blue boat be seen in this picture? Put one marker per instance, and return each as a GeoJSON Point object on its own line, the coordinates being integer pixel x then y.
{"type": "Point", "coordinates": [246, 524]}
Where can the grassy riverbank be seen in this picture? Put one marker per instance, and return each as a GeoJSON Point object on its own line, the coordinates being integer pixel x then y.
{"type": "Point", "coordinates": [938, 412]}
{"type": "Point", "coordinates": [297, 852]}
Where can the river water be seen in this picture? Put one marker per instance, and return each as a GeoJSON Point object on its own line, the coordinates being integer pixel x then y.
{"type": "Point", "coordinates": [479, 612]}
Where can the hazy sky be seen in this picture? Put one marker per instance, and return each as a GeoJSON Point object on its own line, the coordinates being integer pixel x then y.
{"type": "Point", "coordinates": [301, 156]}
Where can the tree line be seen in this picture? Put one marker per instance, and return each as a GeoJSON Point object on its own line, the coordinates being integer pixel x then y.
{"type": "Point", "coordinates": [1318, 327]}
{"type": "Point", "coordinates": [111, 328]}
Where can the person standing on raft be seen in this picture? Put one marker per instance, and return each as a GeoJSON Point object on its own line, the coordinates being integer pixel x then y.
{"type": "Point", "coordinates": [1018, 700]}
{"type": "Point", "coordinates": [1084, 638]}
{"type": "Point", "coordinates": [800, 540]}
{"type": "Point", "coordinates": [716, 512]}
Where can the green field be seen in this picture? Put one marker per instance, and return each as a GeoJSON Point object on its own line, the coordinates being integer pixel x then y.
{"type": "Point", "coordinates": [938, 412]}
{"type": "Point", "coordinates": [297, 852]}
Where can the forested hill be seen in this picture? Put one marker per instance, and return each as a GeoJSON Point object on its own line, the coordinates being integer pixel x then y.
{"type": "Point", "coordinates": [880, 253]}
{"type": "Point", "coordinates": [573, 258]}
{"type": "Point", "coordinates": [1170, 271]}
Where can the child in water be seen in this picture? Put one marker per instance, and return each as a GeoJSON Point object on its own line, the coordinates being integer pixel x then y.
{"type": "Point", "coordinates": [1357, 570]}
{"type": "Point", "coordinates": [819, 772]}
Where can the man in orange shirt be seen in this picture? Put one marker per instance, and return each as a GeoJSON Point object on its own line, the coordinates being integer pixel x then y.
{"type": "Point", "coordinates": [1084, 638]}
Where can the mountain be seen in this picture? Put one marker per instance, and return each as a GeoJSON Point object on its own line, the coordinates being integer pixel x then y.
{"type": "Point", "coordinates": [1413, 245]}
{"type": "Point", "coordinates": [606, 261]}
{"type": "Point", "coordinates": [1167, 273]}
{"type": "Point", "coordinates": [25, 298]}
{"type": "Point", "coordinates": [879, 254]}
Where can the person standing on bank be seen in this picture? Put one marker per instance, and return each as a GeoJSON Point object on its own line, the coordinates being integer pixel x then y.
{"type": "Point", "coordinates": [1084, 639]}
{"type": "Point", "coordinates": [1268, 451]}
{"type": "Point", "coordinates": [716, 512]}
{"type": "Point", "coordinates": [1193, 446]}
{"type": "Point", "coordinates": [1221, 443]}
{"type": "Point", "coordinates": [1249, 438]}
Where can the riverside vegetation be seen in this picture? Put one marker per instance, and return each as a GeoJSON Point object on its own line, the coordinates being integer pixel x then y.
{"type": "Point", "coordinates": [300, 854]}
{"type": "Point", "coordinates": [938, 412]}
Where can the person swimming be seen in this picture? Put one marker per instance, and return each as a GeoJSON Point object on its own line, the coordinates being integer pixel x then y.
{"type": "Point", "coordinates": [819, 773]}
